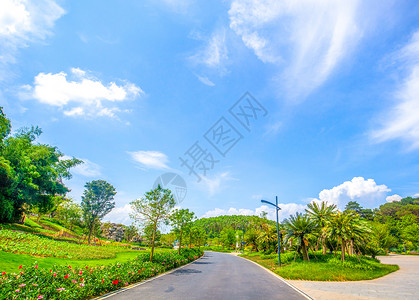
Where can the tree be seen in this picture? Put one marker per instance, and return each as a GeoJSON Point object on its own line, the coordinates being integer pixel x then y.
{"type": "Point", "coordinates": [297, 228]}
{"type": "Point", "coordinates": [353, 206]}
{"type": "Point", "coordinates": [97, 202]}
{"type": "Point", "coordinates": [130, 232]}
{"type": "Point", "coordinates": [30, 174]}
{"type": "Point", "coordinates": [153, 208]}
{"type": "Point", "coordinates": [320, 214]}
{"type": "Point", "coordinates": [70, 212]}
{"type": "Point", "coordinates": [181, 219]}
{"type": "Point", "coordinates": [228, 237]}
{"type": "Point", "coordinates": [200, 235]}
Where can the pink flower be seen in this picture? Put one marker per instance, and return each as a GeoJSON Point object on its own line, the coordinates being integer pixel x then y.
{"type": "Point", "coordinates": [82, 284]}
{"type": "Point", "coordinates": [60, 289]}
{"type": "Point", "coordinates": [34, 284]}
{"type": "Point", "coordinates": [74, 281]}
{"type": "Point", "coordinates": [17, 291]}
{"type": "Point", "coordinates": [40, 297]}
{"type": "Point", "coordinates": [22, 285]}
{"type": "Point", "coordinates": [36, 267]}
{"type": "Point", "coordinates": [126, 283]}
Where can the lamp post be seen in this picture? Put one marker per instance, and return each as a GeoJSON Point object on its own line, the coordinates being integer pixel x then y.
{"type": "Point", "coordinates": [277, 225]}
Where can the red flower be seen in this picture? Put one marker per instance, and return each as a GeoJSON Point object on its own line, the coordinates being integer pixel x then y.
{"type": "Point", "coordinates": [55, 274]}
{"type": "Point", "coordinates": [139, 271]}
{"type": "Point", "coordinates": [69, 266]}
{"type": "Point", "coordinates": [102, 280]}
{"type": "Point", "coordinates": [3, 273]}
{"type": "Point", "coordinates": [21, 273]}
{"type": "Point", "coordinates": [20, 267]}
{"type": "Point", "coordinates": [36, 267]}
{"type": "Point", "coordinates": [82, 279]}
{"type": "Point", "coordinates": [91, 271]}
{"type": "Point", "coordinates": [115, 282]}
{"type": "Point", "coordinates": [86, 267]}
{"type": "Point", "coordinates": [80, 272]}
{"type": "Point", "coordinates": [66, 276]}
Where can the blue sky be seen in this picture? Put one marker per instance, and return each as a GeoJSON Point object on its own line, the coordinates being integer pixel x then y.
{"type": "Point", "coordinates": [130, 87]}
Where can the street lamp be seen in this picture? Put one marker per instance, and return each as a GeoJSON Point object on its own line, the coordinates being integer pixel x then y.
{"type": "Point", "coordinates": [277, 225]}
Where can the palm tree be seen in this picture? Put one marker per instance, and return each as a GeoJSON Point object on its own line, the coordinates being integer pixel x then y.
{"type": "Point", "coordinates": [320, 214]}
{"type": "Point", "coordinates": [297, 228]}
{"type": "Point", "coordinates": [347, 227]}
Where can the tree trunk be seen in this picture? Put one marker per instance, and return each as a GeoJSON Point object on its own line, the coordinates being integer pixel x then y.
{"type": "Point", "coordinates": [152, 241]}
{"type": "Point", "coordinates": [90, 234]}
{"type": "Point", "coordinates": [343, 246]}
{"type": "Point", "coordinates": [351, 247]}
{"type": "Point", "coordinates": [324, 245]}
{"type": "Point", "coordinates": [180, 242]}
{"type": "Point", "coordinates": [304, 248]}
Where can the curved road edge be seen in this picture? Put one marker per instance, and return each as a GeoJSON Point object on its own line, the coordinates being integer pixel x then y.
{"type": "Point", "coordinates": [121, 290]}
{"type": "Point", "coordinates": [280, 278]}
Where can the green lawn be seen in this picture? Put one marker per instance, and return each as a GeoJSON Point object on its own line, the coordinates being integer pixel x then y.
{"type": "Point", "coordinates": [326, 268]}
{"type": "Point", "coordinates": [10, 262]}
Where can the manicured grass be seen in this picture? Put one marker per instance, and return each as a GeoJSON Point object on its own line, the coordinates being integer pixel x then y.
{"type": "Point", "coordinates": [10, 262]}
{"type": "Point", "coordinates": [326, 268]}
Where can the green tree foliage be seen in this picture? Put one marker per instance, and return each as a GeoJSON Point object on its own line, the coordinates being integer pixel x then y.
{"type": "Point", "coordinates": [228, 237]}
{"type": "Point", "coordinates": [31, 174]}
{"type": "Point", "coordinates": [181, 220]}
{"type": "Point", "coordinates": [70, 213]}
{"type": "Point", "coordinates": [97, 202]}
{"type": "Point", "coordinates": [297, 229]}
{"type": "Point", "coordinates": [152, 209]}
{"type": "Point", "coordinates": [130, 232]}
{"type": "Point", "coordinates": [320, 214]}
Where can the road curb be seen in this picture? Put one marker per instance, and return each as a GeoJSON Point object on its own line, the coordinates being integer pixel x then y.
{"type": "Point", "coordinates": [121, 290]}
{"type": "Point", "coordinates": [280, 278]}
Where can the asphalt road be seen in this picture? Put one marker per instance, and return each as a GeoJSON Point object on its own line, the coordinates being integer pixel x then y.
{"type": "Point", "coordinates": [214, 276]}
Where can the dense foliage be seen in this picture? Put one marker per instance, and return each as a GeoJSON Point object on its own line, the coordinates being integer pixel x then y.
{"type": "Point", "coordinates": [31, 174]}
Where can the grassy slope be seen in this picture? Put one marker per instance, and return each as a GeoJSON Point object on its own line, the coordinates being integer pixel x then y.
{"type": "Point", "coordinates": [322, 271]}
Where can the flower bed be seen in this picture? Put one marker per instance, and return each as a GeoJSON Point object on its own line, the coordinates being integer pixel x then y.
{"type": "Point", "coordinates": [65, 282]}
{"type": "Point", "coordinates": [25, 243]}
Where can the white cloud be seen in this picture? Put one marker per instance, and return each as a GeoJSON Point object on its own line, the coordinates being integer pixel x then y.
{"type": "Point", "coordinates": [23, 22]}
{"type": "Point", "coordinates": [205, 80]}
{"type": "Point", "coordinates": [214, 54]}
{"type": "Point", "coordinates": [415, 195]}
{"type": "Point", "coordinates": [89, 95]}
{"type": "Point", "coordinates": [119, 215]}
{"type": "Point", "coordinates": [150, 159]}
{"type": "Point", "coordinates": [402, 121]}
{"type": "Point", "coordinates": [87, 169]}
{"type": "Point", "coordinates": [393, 198]}
{"type": "Point", "coordinates": [309, 38]}
{"type": "Point", "coordinates": [365, 192]}
{"type": "Point", "coordinates": [216, 183]}
{"type": "Point", "coordinates": [286, 210]}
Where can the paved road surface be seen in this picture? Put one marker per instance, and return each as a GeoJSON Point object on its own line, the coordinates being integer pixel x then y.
{"type": "Point", "coordinates": [214, 276]}
{"type": "Point", "coordinates": [402, 284]}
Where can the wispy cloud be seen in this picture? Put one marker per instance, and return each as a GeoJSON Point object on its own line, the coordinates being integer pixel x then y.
{"type": "Point", "coordinates": [307, 39]}
{"type": "Point", "coordinates": [402, 120]}
{"type": "Point", "coordinates": [216, 183]}
{"type": "Point", "coordinates": [86, 169]}
{"type": "Point", "coordinates": [205, 80]}
{"type": "Point", "coordinates": [214, 53]}
{"type": "Point", "coordinates": [82, 95]}
{"type": "Point", "coordinates": [150, 159]}
{"type": "Point", "coordinates": [22, 23]}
